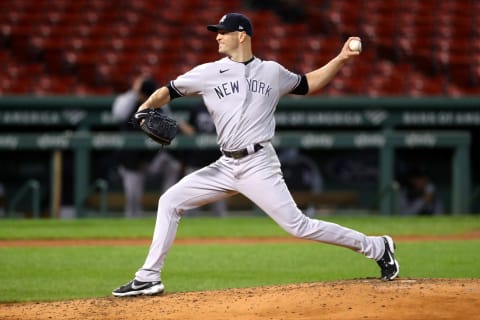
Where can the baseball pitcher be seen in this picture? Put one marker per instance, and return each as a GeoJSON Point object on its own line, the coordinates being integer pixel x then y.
{"type": "Point", "coordinates": [241, 93]}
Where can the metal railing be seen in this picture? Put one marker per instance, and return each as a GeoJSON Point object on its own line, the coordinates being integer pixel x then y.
{"type": "Point", "coordinates": [101, 186]}
{"type": "Point", "coordinates": [33, 186]}
{"type": "Point", "coordinates": [390, 190]}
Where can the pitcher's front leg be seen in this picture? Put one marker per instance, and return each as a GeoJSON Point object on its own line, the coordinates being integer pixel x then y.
{"type": "Point", "coordinates": [196, 189]}
{"type": "Point", "coordinates": [166, 225]}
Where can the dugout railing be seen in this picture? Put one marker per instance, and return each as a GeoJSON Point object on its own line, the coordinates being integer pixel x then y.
{"type": "Point", "coordinates": [82, 143]}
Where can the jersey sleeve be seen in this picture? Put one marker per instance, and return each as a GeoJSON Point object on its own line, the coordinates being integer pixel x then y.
{"type": "Point", "coordinates": [189, 83]}
{"type": "Point", "coordinates": [302, 88]}
{"type": "Point", "coordinates": [288, 81]}
{"type": "Point", "coordinates": [123, 105]}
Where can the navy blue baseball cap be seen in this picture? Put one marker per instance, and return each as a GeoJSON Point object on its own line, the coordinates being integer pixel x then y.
{"type": "Point", "coordinates": [233, 22]}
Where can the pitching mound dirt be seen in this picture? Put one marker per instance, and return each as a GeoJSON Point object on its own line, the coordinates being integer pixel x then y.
{"type": "Point", "coordinates": [355, 299]}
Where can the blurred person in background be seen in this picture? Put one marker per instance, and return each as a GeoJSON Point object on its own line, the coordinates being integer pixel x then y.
{"type": "Point", "coordinates": [135, 166]}
{"type": "Point", "coordinates": [418, 195]}
{"type": "Point", "coordinates": [301, 173]}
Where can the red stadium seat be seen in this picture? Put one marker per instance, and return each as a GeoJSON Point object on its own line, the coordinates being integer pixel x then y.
{"type": "Point", "coordinates": [97, 38]}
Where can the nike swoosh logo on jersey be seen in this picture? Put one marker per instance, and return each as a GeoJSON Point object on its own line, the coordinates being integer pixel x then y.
{"type": "Point", "coordinates": [143, 285]}
{"type": "Point", "coordinates": [222, 71]}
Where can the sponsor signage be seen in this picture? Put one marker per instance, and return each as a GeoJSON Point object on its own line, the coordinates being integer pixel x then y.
{"type": "Point", "coordinates": [309, 118]}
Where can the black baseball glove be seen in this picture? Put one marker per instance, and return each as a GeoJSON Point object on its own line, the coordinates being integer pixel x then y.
{"type": "Point", "coordinates": [157, 125]}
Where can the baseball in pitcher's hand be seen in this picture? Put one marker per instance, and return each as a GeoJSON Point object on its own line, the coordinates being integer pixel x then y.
{"type": "Point", "coordinates": [347, 52]}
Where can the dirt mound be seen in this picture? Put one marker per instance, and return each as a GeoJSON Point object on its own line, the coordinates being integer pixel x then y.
{"type": "Point", "coordinates": [355, 299]}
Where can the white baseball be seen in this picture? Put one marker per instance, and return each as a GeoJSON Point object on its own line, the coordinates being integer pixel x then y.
{"type": "Point", "coordinates": [355, 45]}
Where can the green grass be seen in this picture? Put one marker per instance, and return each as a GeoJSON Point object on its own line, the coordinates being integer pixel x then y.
{"type": "Point", "coordinates": [35, 274]}
{"type": "Point", "coordinates": [56, 273]}
{"type": "Point", "coordinates": [228, 227]}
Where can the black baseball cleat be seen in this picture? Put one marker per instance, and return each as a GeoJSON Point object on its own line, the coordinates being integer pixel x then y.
{"type": "Point", "coordinates": [388, 265]}
{"type": "Point", "coordinates": [136, 288]}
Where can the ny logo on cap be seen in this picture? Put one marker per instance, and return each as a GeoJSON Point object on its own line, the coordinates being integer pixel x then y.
{"type": "Point", "coordinates": [223, 19]}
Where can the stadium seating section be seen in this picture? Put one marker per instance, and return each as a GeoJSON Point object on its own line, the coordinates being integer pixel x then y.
{"type": "Point", "coordinates": [96, 47]}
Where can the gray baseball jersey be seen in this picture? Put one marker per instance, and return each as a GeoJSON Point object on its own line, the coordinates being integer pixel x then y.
{"type": "Point", "coordinates": [241, 98]}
